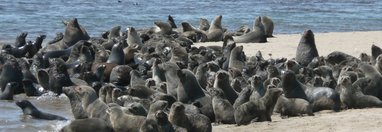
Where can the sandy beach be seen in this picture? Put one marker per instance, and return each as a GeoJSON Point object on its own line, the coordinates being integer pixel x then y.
{"type": "Point", "coordinates": [281, 45]}
{"type": "Point", "coordinates": [284, 45]}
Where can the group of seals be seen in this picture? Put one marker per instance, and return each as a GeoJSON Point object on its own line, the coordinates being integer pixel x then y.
{"type": "Point", "coordinates": [155, 80]}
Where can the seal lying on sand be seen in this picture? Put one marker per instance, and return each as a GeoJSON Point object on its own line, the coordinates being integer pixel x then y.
{"type": "Point", "coordinates": [256, 36]}
{"type": "Point", "coordinates": [29, 109]}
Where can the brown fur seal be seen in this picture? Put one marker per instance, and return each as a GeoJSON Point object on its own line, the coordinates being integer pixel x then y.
{"type": "Point", "coordinates": [122, 122]}
{"type": "Point", "coordinates": [20, 39]}
{"type": "Point", "coordinates": [204, 25]}
{"type": "Point", "coordinates": [256, 36]}
{"type": "Point", "coordinates": [117, 56]}
{"type": "Point", "coordinates": [133, 37]}
{"type": "Point", "coordinates": [378, 64]}
{"type": "Point", "coordinates": [76, 104]}
{"type": "Point", "coordinates": [352, 96]}
{"type": "Point", "coordinates": [11, 72]}
{"type": "Point", "coordinates": [289, 107]}
{"type": "Point", "coordinates": [215, 32]}
{"type": "Point", "coordinates": [320, 97]}
{"type": "Point", "coordinates": [237, 58]}
{"type": "Point", "coordinates": [306, 49]}
{"type": "Point", "coordinates": [223, 109]}
{"type": "Point", "coordinates": [258, 110]}
{"type": "Point", "coordinates": [190, 122]}
{"type": "Point", "coordinates": [190, 91]}
{"type": "Point", "coordinates": [120, 75]}
{"type": "Point", "coordinates": [222, 81]}
{"type": "Point", "coordinates": [87, 125]}
{"type": "Point", "coordinates": [374, 87]}
{"type": "Point", "coordinates": [92, 105]}
{"type": "Point", "coordinates": [268, 25]}
{"type": "Point", "coordinates": [375, 52]}
{"type": "Point", "coordinates": [165, 28]}
{"type": "Point", "coordinates": [29, 109]}
{"type": "Point", "coordinates": [7, 94]}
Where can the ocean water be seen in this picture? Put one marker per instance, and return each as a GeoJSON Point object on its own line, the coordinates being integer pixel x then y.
{"type": "Point", "coordinates": [45, 16]}
{"type": "Point", "coordinates": [290, 16]}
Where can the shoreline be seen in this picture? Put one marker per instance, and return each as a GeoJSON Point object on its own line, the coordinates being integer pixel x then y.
{"type": "Point", "coordinates": [284, 45]}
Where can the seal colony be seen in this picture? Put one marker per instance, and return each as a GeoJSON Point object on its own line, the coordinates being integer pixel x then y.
{"type": "Point", "coordinates": [155, 79]}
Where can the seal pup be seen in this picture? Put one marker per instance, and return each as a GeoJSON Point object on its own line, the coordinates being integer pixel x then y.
{"type": "Point", "coordinates": [122, 122]}
{"type": "Point", "coordinates": [87, 125]}
{"type": "Point", "coordinates": [258, 110]}
{"type": "Point", "coordinates": [256, 36]}
{"type": "Point", "coordinates": [29, 109]}
{"type": "Point", "coordinates": [289, 107]}
{"type": "Point", "coordinates": [352, 96]}
{"type": "Point", "coordinates": [306, 49]}
{"type": "Point", "coordinates": [7, 94]}
{"type": "Point", "coordinates": [223, 109]}
{"type": "Point", "coordinates": [215, 32]}
{"type": "Point", "coordinates": [189, 122]}
{"type": "Point", "coordinates": [268, 26]}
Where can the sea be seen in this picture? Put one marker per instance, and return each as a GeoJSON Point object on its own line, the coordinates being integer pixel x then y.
{"type": "Point", "coordinates": [45, 17]}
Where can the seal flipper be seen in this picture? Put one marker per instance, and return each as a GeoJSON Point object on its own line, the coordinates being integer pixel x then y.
{"type": "Point", "coordinates": [43, 79]}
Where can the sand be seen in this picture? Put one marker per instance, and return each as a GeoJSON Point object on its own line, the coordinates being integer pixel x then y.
{"type": "Point", "coordinates": [353, 43]}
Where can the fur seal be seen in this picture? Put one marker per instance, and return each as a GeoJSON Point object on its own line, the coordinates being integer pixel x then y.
{"type": "Point", "coordinates": [117, 56]}
{"type": "Point", "coordinates": [223, 109]}
{"type": "Point", "coordinates": [133, 37]}
{"type": "Point", "coordinates": [258, 89]}
{"type": "Point", "coordinates": [289, 107]}
{"type": "Point", "coordinates": [215, 32]}
{"type": "Point", "coordinates": [92, 105]}
{"type": "Point", "coordinates": [222, 81]}
{"type": "Point", "coordinates": [378, 64]}
{"type": "Point", "coordinates": [190, 122]}
{"type": "Point", "coordinates": [204, 25]}
{"type": "Point", "coordinates": [374, 87]}
{"type": "Point", "coordinates": [7, 94]}
{"type": "Point", "coordinates": [256, 36]}
{"type": "Point", "coordinates": [122, 122]}
{"type": "Point", "coordinates": [306, 49]}
{"type": "Point", "coordinates": [352, 96]}
{"type": "Point", "coordinates": [20, 39]}
{"type": "Point", "coordinates": [87, 125]}
{"type": "Point", "coordinates": [165, 28]}
{"type": "Point", "coordinates": [237, 58]}
{"type": "Point", "coordinates": [75, 103]}
{"type": "Point", "coordinates": [120, 75]}
{"type": "Point", "coordinates": [258, 110]}
{"type": "Point", "coordinates": [320, 97]}
{"type": "Point", "coordinates": [29, 88]}
{"type": "Point", "coordinates": [375, 52]}
{"type": "Point", "coordinates": [11, 72]}
{"type": "Point", "coordinates": [29, 109]}
{"type": "Point", "coordinates": [268, 25]}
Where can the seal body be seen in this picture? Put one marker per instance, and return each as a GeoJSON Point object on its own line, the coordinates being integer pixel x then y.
{"type": "Point", "coordinates": [29, 109]}
{"type": "Point", "coordinates": [306, 49]}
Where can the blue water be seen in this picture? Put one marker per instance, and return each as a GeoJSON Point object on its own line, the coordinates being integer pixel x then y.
{"type": "Point", "coordinates": [291, 16]}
